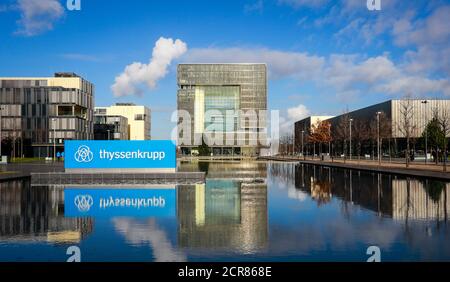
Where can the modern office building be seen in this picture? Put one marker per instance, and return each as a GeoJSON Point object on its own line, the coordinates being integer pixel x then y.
{"type": "Point", "coordinates": [138, 118]}
{"type": "Point", "coordinates": [417, 112]}
{"type": "Point", "coordinates": [38, 113]}
{"type": "Point", "coordinates": [110, 127]}
{"type": "Point", "coordinates": [225, 100]}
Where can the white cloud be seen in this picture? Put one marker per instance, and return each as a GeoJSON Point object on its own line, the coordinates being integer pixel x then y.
{"type": "Point", "coordinates": [292, 115]}
{"type": "Point", "coordinates": [345, 75]}
{"type": "Point", "coordinates": [350, 75]}
{"type": "Point", "coordinates": [417, 86]}
{"type": "Point", "coordinates": [135, 74]}
{"type": "Point", "coordinates": [297, 113]}
{"type": "Point", "coordinates": [428, 58]}
{"type": "Point", "coordinates": [38, 16]}
{"type": "Point", "coordinates": [433, 29]}
{"type": "Point", "coordinates": [280, 63]}
{"type": "Point", "coordinates": [431, 39]}
{"type": "Point", "coordinates": [345, 71]}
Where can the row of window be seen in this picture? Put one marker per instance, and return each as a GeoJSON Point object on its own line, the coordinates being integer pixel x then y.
{"type": "Point", "coordinates": [44, 96]}
{"type": "Point", "coordinates": [139, 117]}
{"type": "Point", "coordinates": [22, 83]}
{"type": "Point", "coordinates": [222, 67]}
{"type": "Point", "coordinates": [224, 75]}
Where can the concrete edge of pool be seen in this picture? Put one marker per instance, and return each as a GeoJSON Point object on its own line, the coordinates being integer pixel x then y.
{"type": "Point", "coordinates": [370, 168]}
{"type": "Point", "coordinates": [44, 178]}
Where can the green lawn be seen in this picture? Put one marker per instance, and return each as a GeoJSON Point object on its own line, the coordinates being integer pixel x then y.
{"type": "Point", "coordinates": [26, 160]}
{"type": "Point", "coordinates": [31, 160]}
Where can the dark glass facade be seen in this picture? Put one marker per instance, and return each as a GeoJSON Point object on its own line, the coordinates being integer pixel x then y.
{"type": "Point", "coordinates": [110, 127]}
{"type": "Point", "coordinates": [38, 114]}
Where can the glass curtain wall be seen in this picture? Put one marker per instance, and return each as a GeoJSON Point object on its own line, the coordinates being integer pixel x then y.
{"type": "Point", "coordinates": [221, 99]}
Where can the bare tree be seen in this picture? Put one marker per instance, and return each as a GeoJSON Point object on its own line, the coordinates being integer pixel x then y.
{"type": "Point", "coordinates": [372, 131]}
{"type": "Point", "coordinates": [385, 130]}
{"type": "Point", "coordinates": [341, 132]}
{"type": "Point", "coordinates": [406, 124]}
{"type": "Point", "coordinates": [286, 144]}
{"type": "Point", "coordinates": [291, 141]}
{"type": "Point", "coordinates": [360, 135]}
{"type": "Point", "coordinates": [282, 145]}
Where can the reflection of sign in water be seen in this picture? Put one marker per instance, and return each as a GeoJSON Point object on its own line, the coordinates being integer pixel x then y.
{"type": "Point", "coordinates": [119, 202]}
{"type": "Point", "coordinates": [83, 202]}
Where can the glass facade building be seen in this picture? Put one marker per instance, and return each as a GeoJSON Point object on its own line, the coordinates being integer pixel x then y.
{"type": "Point", "coordinates": [223, 98]}
{"type": "Point", "coordinates": [38, 114]}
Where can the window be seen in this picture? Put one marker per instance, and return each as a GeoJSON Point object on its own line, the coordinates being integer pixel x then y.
{"type": "Point", "coordinates": [100, 111]}
{"type": "Point", "coordinates": [221, 99]}
{"type": "Point", "coordinates": [65, 111]}
{"type": "Point", "coordinates": [139, 117]}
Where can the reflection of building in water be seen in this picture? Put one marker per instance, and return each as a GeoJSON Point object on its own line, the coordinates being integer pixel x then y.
{"type": "Point", "coordinates": [38, 213]}
{"type": "Point", "coordinates": [370, 190]}
{"type": "Point", "coordinates": [283, 175]}
{"type": "Point", "coordinates": [228, 169]}
{"type": "Point", "coordinates": [415, 199]}
{"type": "Point", "coordinates": [223, 214]}
{"type": "Point", "coordinates": [390, 195]}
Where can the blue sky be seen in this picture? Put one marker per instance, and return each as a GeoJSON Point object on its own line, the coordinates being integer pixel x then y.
{"type": "Point", "coordinates": [323, 55]}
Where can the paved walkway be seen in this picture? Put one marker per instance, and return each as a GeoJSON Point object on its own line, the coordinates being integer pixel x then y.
{"type": "Point", "coordinates": [420, 170]}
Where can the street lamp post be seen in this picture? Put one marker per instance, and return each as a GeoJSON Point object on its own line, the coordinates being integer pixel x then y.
{"type": "Point", "coordinates": [426, 131]}
{"type": "Point", "coordinates": [329, 141]}
{"type": "Point", "coordinates": [350, 149]}
{"type": "Point", "coordinates": [378, 138]}
{"type": "Point", "coordinates": [108, 134]}
{"type": "Point", "coordinates": [293, 144]}
{"type": "Point", "coordinates": [54, 138]}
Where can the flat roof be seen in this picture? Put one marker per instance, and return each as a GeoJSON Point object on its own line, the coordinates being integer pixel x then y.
{"type": "Point", "coordinates": [222, 64]}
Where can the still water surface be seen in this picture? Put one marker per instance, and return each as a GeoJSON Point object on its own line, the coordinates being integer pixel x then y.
{"type": "Point", "coordinates": [250, 211]}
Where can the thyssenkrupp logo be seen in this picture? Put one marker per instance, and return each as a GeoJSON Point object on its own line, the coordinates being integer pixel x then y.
{"type": "Point", "coordinates": [84, 154]}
